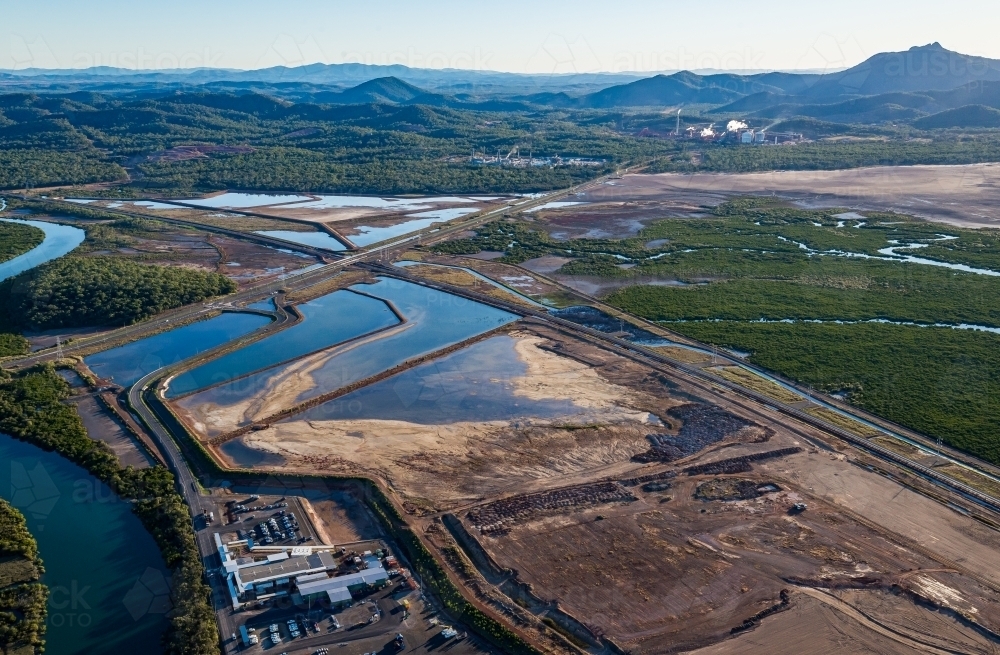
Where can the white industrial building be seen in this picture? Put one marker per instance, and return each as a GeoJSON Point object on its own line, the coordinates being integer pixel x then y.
{"type": "Point", "coordinates": [302, 571]}
{"type": "Point", "coordinates": [338, 591]}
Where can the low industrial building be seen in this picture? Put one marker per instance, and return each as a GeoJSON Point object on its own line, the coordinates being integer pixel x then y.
{"type": "Point", "coordinates": [300, 571]}
{"type": "Point", "coordinates": [340, 591]}
{"type": "Point", "coordinates": [275, 574]}
{"type": "Point", "coordinates": [248, 579]}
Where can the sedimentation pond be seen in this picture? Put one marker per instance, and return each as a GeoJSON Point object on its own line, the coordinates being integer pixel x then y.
{"type": "Point", "coordinates": [366, 235]}
{"type": "Point", "coordinates": [106, 578]}
{"type": "Point", "coordinates": [473, 384]}
{"type": "Point", "coordinates": [435, 320]}
{"type": "Point", "coordinates": [314, 239]}
{"type": "Point", "coordinates": [127, 364]}
{"type": "Point", "coordinates": [328, 320]}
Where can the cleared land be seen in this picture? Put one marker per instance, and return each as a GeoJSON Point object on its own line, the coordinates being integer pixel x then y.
{"type": "Point", "coordinates": [632, 537]}
{"type": "Point", "coordinates": [967, 196]}
{"type": "Point", "coordinates": [454, 460]}
{"type": "Point", "coordinates": [670, 572]}
{"type": "Point", "coordinates": [840, 623]}
{"type": "Point", "coordinates": [103, 426]}
{"type": "Point", "coordinates": [150, 242]}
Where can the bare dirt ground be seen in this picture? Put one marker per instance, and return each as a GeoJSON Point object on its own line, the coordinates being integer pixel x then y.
{"type": "Point", "coordinates": [244, 262]}
{"type": "Point", "coordinates": [627, 549]}
{"type": "Point", "coordinates": [967, 196]}
{"type": "Point", "coordinates": [230, 220]}
{"type": "Point", "coordinates": [889, 625]}
{"type": "Point", "coordinates": [340, 517]}
{"type": "Point", "coordinates": [515, 278]}
{"type": "Point", "coordinates": [101, 425]}
{"type": "Point", "coordinates": [670, 573]}
{"type": "Point", "coordinates": [461, 461]}
{"type": "Point", "coordinates": [448, 274]}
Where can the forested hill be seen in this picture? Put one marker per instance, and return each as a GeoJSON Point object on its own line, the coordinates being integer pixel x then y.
{"type": "Point", "coordinates": [260, 142]}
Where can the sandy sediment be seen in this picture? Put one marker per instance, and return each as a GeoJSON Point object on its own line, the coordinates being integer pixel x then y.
{"type": "Point", "coordinates": [475, 456]}
{"type": "Point", "coordinates": [551, 376]}
{"type": "Point", "coordinates": [281, 390]}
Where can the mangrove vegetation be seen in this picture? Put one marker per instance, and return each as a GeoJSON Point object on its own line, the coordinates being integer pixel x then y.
{"type": "Point", "coordinates": [32, 409]}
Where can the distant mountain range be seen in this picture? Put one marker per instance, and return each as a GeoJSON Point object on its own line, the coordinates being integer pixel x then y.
{"type": "Point", "coordinates": [910, 86]}
{"type": "Point", "coordinates": [325, 77]}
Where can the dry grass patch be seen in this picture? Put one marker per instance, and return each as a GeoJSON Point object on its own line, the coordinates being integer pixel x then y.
{"type": "Point", "coordinates": [842, 421]}
{"type": "Point", "coordinates": [682, 354]}
{"type": "Point", "coordinates": [459, 278]}
{"type": "Point", "coordinates": [971, 478]}
{"type": "Point", "coordinates": [754, 382]}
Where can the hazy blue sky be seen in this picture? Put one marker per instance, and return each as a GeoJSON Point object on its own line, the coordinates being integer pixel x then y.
{"type": "Point", "coordinates": [543, 36]}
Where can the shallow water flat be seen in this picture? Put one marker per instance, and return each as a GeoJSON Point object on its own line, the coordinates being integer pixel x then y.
{"type": "Point", "coordinates": [473, 384]}
{"type": "Point", "coordinates": [435, 320]}
{"type": "Point", "coordinates": [314, 239]}
{"type": "Point", "coordinates": [367, 235]}
{"type": "Point", "coordinates": [245, 200]}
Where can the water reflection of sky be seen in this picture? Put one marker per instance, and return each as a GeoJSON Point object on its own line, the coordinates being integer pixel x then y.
{"type": "Point", "coordinates": [474, 384]}
{"type": "Point", "coordinates": [328, 320]}
{"type": "Point", "coordinates": [435, 320]}
{"type": "Point", "coordinates": [59, 240]}
{"type": "Point", "coordinates": [314, 239]}
{"type": "Point", "coordinates": [367, 235]}
{"type": "Point", "coordinates": [128, 363]}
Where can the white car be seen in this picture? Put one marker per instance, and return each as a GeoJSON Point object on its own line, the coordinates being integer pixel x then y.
{"type": "Point", "coordinates": [275, 638]}
{"type": "Point", "coordinates": [254, 640]}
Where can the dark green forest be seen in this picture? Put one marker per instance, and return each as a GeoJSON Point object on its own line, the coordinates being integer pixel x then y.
{"type": "Point", "coordinates": [943, 149]}
{"type": "Point", "coordinates": [22, 597]}
{"type": "Point", "coordinates": [254, 141]}
{"type": "Point", "coordinates": [17, 239]}
{"type": "Point", "coordinates": [99, 291]}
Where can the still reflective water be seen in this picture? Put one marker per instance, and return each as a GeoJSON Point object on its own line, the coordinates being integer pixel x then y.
{"type": "Point", "coordinates": [108, 586]}
{"type": "Point", "coordinates": [59, 241]}
{"type": "Point", "coordinates": [127, 364]}
{"type": "Point", "coordinates": [328, 320]}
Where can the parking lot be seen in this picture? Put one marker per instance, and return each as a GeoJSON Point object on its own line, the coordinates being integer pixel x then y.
{"type": "Point", "coordinates": [370, 625]}
{"type": "Point", "coordinates": [269, 521]}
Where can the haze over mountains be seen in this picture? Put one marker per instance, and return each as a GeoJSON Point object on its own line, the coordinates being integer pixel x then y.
{"type": "Point", "coordinates": [916, 85]}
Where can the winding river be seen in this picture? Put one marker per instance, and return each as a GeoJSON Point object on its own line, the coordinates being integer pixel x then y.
{"type": "Point", "coordinates": [108, 585]}
{"type": "Point", "coordinates": [59, 241]}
